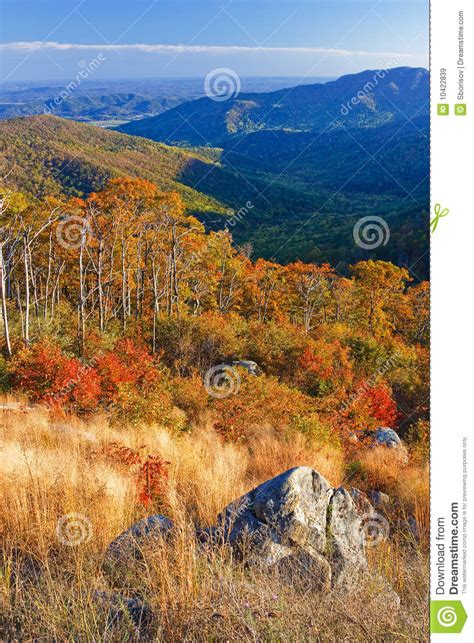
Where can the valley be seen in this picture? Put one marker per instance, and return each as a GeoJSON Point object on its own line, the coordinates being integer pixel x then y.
{"type": "Point", "coordinates": [309, 172]}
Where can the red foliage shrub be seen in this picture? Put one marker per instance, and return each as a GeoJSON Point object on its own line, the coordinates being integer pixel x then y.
{"type": "Point", "coordinates": [323, 368]}
{"type": "Point", "coordinates": [125, 380]}
{"type": "Point", "coordinates": [48, 376]}
{"type": "Point", "coordinates": [133, 388]}
{"type": "Point", "coordinates": [151, 479]}
{"type": "Point", "coordinates": [381, 405]}
{"type": "Point", "coordinates": [149, 472]}
{"type": "Point", "coordinates": [367, 408]}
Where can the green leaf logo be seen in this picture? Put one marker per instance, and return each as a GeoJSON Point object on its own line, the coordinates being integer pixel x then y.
{"type": "Point", "coordinates": [447, 617]}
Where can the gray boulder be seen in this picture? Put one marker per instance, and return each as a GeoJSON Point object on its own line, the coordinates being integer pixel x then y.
{"type": "Point", "coordinates": [269, 521]}
{"type": "Point", "coordinates": [298, 520]}
{"type": "Point", "coordinates": [387, 437]}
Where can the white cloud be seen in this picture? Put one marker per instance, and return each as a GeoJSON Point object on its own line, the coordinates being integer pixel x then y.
{"type": "Point", "coordinates": [27, 47]}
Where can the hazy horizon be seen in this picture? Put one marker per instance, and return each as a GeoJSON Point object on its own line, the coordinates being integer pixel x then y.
{"type": "Point", "coordinates": [183, 39]}
{"type": "Point", "coordinates": [197, 78]}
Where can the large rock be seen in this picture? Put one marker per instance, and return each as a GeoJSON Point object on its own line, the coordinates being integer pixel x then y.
{"type": "Point", "coordinates": [298, 519]}
{"type": "Point", "coordinates": [287, 511]}
{"type": "Point", "coordinates": [314, 534]}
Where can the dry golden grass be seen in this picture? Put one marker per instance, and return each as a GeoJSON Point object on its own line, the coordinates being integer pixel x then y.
{"type": "Point", "coordinates": [408, 485]}
{"type": "Point", "coordinates": [54, 468]}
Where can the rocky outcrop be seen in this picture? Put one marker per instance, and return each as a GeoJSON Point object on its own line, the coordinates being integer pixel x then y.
{"type": "Point", "coordinates": [295, 522]}
{"type": "Point", "coordinates": [297, 518]}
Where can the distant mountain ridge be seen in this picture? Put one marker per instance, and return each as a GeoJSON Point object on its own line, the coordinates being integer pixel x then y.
{"type": "Point", "coordinates": [110, 103]}
{"type": "Point", "coordinates": [309, 170]}
{"type": "Point", "coordinates": [368, 99]}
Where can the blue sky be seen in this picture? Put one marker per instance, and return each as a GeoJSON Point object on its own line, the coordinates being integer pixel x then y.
{"type": "Point", "coordinates": [53, 39]}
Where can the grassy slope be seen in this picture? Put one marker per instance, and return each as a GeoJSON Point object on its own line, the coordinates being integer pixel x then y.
{"type": "Point", "coordinates": [50, 155]}
{"type": "Point", "coordinates": [51, 469]}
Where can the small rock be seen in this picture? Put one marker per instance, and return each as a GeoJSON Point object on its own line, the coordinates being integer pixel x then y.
{"type": "Point", "coordinates": [129, 544]}
{"type": "Point", "coordinates": [387, 437]}
{"type": "Point", "coordinates": [251, 367]}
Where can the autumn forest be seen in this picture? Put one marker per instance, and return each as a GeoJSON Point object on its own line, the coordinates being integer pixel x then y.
{"type": "Point", "coordinates": [127, 276]}
{"type": "Point", "coordinates": [214, 381]}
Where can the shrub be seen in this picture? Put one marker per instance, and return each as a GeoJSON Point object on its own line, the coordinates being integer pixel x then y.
{"type": "Point", "coordinates": [48, 376]}
{"type": "Point", "coordinates": [259, 401]}
{"type": "Point", "coordinates": [324, 367]}
{"type": "Point", "coordinates": [190, 396]}
{"type": "Point", "coordinates": [126, 381]}
{"type": "Point", "coordinates": [418, 439]}
{"type": "Point", "coordinates": [149, 472]}
{"type": "Point", "coordinates": [367, 407]}
{"type": "Point", "coordinates": [318, 432]}
{"type": "Point", "coordinates": [6, 380]}
{"type": "Point", "coordinates": [190, 343]}
{"type": "Point", "coordinates": [275, 347]}
{"type": "Point", "coordinates": [133, 388]}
